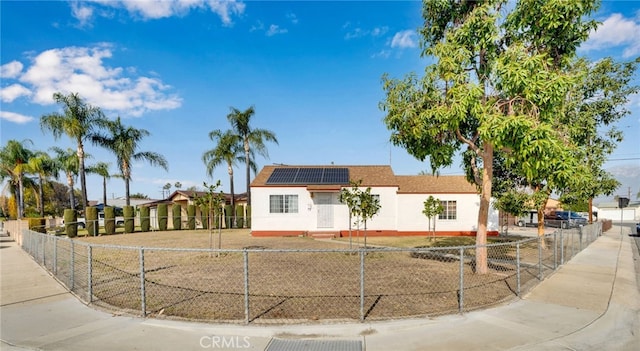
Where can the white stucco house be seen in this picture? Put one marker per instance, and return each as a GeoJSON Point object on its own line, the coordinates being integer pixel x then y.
{"type": "Point", "coordinates": [304, 200]}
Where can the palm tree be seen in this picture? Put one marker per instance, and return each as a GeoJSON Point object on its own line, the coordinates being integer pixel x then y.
{"type": "Point", "coordinates": [252, 139]}
{"type": "Point", "coordinates": [124, 141]}
{"type": "Point", "coordinates": [68, 162]}
{"type": "Point", "coordinates": [79, 122]}
{"type": "Point", "coordinates": [228, 150]}
{"type": "Point", "coordinates": [101, 169]}
{"type": "Point", "coordinates": [13, 161]}
{"type": "Point", "coordinates": [44, 167]}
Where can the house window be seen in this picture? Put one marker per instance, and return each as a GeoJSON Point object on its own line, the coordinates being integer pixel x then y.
{"type": "Point", "coordinates": [449, 210]}
{"type": "Point", "coordinates": [283, 203]}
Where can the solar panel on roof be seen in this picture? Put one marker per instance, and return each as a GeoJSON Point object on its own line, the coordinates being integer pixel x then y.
{"type": "Point", "coordinates": [309, 175]}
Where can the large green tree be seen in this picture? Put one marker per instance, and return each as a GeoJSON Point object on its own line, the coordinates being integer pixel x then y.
{"type": "Point", "coordinates": [253, 140]}
{"type": "Point", "coordinates": [497, 81]}
{"type": "Point", "coordinates": [14, 157]}
{"type": "Point", "coordinates": [79, 121]}
{"type": "Point", "coordinates": [124, 142]}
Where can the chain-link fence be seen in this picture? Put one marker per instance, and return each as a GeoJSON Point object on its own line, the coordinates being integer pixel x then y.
{"type": "Point", "coordinates": [257, 285]}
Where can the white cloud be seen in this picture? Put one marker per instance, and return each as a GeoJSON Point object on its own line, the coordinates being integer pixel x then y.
{"type": "Point", "coordinates": [11, 69]}
{"type": "Point", "coordinates": [155, 9]}
{"type": "Point", "coordinates": [359, 32]}
{"type": "Point", "coordinates": [404, 39]}
{"type": "Point", "coordinates": [82, 13]}
{"type": "Point", "coordinates": [15, 117]}
{"type": "Point", "coordinates": [275, 29]}
{"type": "Point", "coordinates": [382, 54]}
{"type": "Point", "coordinates": [292, 17]}
{"type": "Point", "coordinates": [616, 31]}
{"type": "Point", "coordinates": [82, 70]}
{"type": "Point", "coordinates": [13, 92]}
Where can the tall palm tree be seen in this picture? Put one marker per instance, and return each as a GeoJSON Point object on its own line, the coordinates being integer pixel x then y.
{"type": "Point", "coordinates": [42, 165]}
{"type": "Point", "coordinates": [253, 139]}
{"type": "Point", "coordinates": [124, 141]}
{"type": "Point", "coordinates": [13, 160]}
{"type": "Point", "coordinates": [101, 169]}
{"type": "Point", "coordinates": [229, 151]}
{"type": "Point", "coordinates": [68, 162]}
{"type": "Point", "coordinates": [79, 122]}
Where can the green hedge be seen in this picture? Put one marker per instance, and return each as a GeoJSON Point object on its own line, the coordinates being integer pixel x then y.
{"type": "Point", "coordinates": [128, 213]}
{"type": "Point", "coordinates": [191, 217]}
{"type": "Point", "coordinates": [109, 220]}
{"type": "Point", "coordinates": [177, 216]}
{"type": "Point", "coordinates": [204, 216]}
{"type": "Point", "coordinates": [228, 216]}
{"type": "Point", "coordinates": [163, 216]}
{"type": "Point", "coordinates": [240, 216]}
{"type": "Point", "coordinates": [248, 219]}
{"type": "Point", "coordinates": [91, 217]}
{"type": "Point", "coordinates": [70, 223]}
{"type": "Point", "coordinates": [145, 220]}
{"type": "Point", "coordinates": [37, 224]}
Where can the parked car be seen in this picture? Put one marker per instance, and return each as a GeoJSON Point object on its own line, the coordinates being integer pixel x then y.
{"type": "Point", "coordinates": [529, 219]}
{"type": "Point", "coordinates": [564, 219]}
{"type": "Point", "coordinates": [638, 228]}
{"type": "Point", "coordinates": [82, 221]}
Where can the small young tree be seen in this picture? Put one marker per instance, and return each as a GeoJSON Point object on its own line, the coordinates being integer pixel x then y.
{"type": "Point", "coordinates": [349, 197]}
{"type": "Point", "coordinates": [432, 208]}
{"type": "Point", "coordinates": [214, 201]}
{"type": "Point", "coordinates": [369, 206]}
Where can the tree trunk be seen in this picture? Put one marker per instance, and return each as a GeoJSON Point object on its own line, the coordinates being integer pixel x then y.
{"type": "Point", "coordinates": [72, 197]}
{"type": "Point", "coordinates": [83, 178]}
{"type": "Point", "coordinates": [590, 210]}
{"type": "Point", "coordinates": [41, 195]}
{"type": "Point", "coordinates": [104, 191]}
{"type": "Point", "coordinates": [20, 196]}
{"type": "Point", "coordinates": [483, 212]}
{"type": "Point", "coordinates": [126, 192]}
{"type": "Point", "coordinates": [233, 196]}
{"type": "Point", "coordinates": [247, 161]}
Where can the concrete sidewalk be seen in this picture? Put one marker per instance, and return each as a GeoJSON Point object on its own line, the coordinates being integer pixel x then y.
{"type": "Point", "coordinates": [591, 303]}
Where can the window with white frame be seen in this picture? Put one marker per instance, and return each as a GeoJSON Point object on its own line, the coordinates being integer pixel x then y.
{"type": "Point", "coordinates": [283, 203]}
{"type": "Point", "coordinates": [450, 210]}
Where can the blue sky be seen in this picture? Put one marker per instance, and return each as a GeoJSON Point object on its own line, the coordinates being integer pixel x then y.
{"type": "Point", "coordinates": [311, 69]}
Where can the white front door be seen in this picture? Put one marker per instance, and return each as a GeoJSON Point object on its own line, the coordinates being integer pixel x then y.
{"type": "Point", "coordinates": [325, 210]}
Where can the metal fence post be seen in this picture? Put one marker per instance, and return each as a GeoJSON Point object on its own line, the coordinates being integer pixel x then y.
{"type": "Point", "coordinates": [580, 237]}
{"type": "Point", "coordinates": [461, 293]}
{"type": "Point", "coordinates": [245, 254]}
{"type": "Point", "coordinates": [362, 285]}
{"type": "Point", "coordinates": [143, 295]}
{"type": "Point", "coordinates": [89, 270]}
{"type": "Point", "coordinates": [540, 238]}
{"type": "Point", "coordinates": [72, 268]}
{"type": "Point", "coordinates": [55, 256]}
{"type": "Point", "coordinates": [561, 248]}
{"type": "Point", "coordinates": [518, 269]}
{"type": "Point", "coordinates": [42, 238]}
{"type": "Point", "coordinates": [555, 250]}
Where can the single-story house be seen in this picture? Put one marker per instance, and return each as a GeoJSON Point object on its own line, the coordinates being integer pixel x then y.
{"type": "Point", "coordinates": [304, 200]}
{"type": "Point", "coordinates": [610, 210]}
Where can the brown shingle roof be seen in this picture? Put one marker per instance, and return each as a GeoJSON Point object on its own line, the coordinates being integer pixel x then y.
{"type": "Point", "coordinates": [426, 184]}
{"type": "Point", "coordinates": [382, 176]}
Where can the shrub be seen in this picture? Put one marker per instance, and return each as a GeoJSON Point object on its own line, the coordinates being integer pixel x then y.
{"type": "Point", "coordinates": [37, 224]}
{"type": "Point", "coordinates": [191, 217]}
{"type": "Point", "coordinates": [92, 224]}
{"type": "Point", "coordinates": [128, 213]}
{"type": "Point", "coordinates": [228, 216]}
{"type": "Point", "coordinates": [240, 216]}
{"type": "Point", "coordinates": [163, 216]}
{"type": "Point", "coordinates": [70, 223]}
{"type": "Point", "coordinates": [248, 218]}
{"type": "Point", "coordinates": [177, 216]}
{"type": "Point", "coordinates": [109, 220]}
{"type": "Point", "coordinates": [204, 216]}
{"type": "Point", "coordinates": [145, 219]}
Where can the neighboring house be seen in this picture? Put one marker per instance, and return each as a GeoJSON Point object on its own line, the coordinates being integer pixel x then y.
{"type": "Point", "coordinates": [610, 210]}
{"type": "Point", "coordinates": [304, 200]}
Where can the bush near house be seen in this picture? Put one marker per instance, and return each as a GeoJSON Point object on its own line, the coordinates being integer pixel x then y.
{"type": "Point", "coordinates": [177, 217]}
{"type": "Point", "coordinates": [191, 217]}
{"type": "Point", "coordinates": [145, 219]}
{"type": "Point", "coordinates": [92, 221]}
{"type": "Point", "coordinates": [109, 220]}
{"type": "Point", "coordinates": [228, 216]}
{"type": "Point", "coordinates": [240, 216]}
{"type": "Point", "coordinates": [37, 224]}
{"type": "Point", "coordinates": [204, 216]}
{"type": "Point", "coordinates": [129, 214]}
{"type": "Point", "coordinates": [70, 224]}
{"type": "Point", "coordinates": [163, 216]}
{"type": "Point", "coordinates": [248, 219]}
